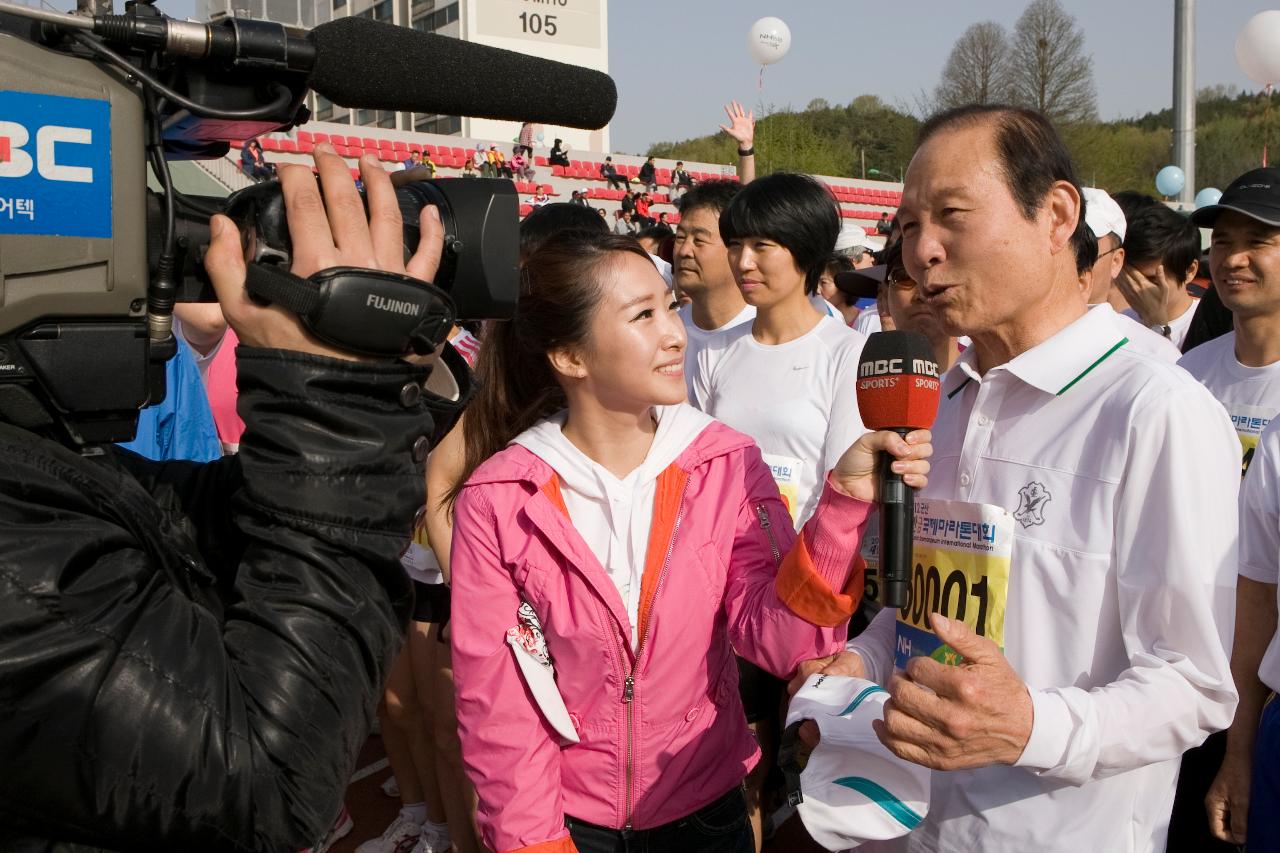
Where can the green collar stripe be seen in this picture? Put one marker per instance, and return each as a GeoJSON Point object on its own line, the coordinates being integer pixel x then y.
{"type": "Point", "coordinates": [1106, 355]}
{"type": "Point", "coordinates": [960, 387]}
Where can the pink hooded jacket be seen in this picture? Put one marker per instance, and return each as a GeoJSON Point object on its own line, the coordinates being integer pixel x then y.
{"type": "Point", "coordinates": [662, 728]}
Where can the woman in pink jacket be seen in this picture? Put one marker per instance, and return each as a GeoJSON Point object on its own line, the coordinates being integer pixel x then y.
{"type": "Point", "coordinates": [612, 548]}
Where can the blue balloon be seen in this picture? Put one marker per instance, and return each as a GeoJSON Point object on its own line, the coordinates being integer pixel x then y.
{"type": "Point", "coordinates": [1170, 180]}
{"type": "Point", "coordinates": [1207, 196]}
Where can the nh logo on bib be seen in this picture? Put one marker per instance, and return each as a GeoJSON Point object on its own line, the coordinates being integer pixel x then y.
{"type": "Point", "coordinates": [1031, 500]}
{"type": "Point", "coordinates": [55, 165]}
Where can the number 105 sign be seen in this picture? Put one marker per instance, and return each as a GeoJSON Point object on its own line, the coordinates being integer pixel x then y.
{"type": "Point", "coordinates": [545, 22]}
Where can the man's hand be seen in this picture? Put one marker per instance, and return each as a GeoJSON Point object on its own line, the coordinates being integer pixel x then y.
{"type": "Point", "coordinates": [327, 230]}
{"type": "Point", "coordinates": [742, 125]}
{"type": "Point", "coordinates": [1228, 799]}
{"type": "Point", "coordinates": [957, 717]}
{"type": "Point", "coordinates": [855, 472]}
{"type": "Point", "coordinates": [1148, 296]}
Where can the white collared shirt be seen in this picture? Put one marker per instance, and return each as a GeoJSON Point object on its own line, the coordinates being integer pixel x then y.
{"type": "Point", "coordinates": [1121, 592]}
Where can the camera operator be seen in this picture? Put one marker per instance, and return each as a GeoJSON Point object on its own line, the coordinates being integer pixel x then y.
{"type": "Point", "coordinates": [190, 654]}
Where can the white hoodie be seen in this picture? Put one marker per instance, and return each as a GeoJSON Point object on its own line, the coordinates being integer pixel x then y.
{"type": "Point", "coordinates": [614, 515]}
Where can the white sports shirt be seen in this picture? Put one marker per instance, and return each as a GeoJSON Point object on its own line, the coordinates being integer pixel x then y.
{"type": "Point", "coordinates": [1121, 590]}
{"type": "Point", "coordinates": [798, 400]}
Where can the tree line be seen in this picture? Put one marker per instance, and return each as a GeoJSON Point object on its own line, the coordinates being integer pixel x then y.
{"type": "Point", "coordinates": [1043, 65]}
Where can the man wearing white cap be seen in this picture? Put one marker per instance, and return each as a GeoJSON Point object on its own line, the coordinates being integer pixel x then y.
{"type": "Point", "coordinates": [1106, 220]}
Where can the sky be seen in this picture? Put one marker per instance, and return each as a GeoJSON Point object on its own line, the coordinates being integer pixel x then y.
{"type": "Point", "coordinates": [677, 62]}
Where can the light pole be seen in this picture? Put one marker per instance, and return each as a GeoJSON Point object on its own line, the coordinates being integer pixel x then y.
{"type": "Point", "coordinates": [875, 173]}
{"type": "Point", "coordinates": [1184, 95]}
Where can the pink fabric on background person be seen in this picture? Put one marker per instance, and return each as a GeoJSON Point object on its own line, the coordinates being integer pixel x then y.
{"type": "Point", "coordinates": [220, 382]}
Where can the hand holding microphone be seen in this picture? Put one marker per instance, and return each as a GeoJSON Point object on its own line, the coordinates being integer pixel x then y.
{"type": "Point", "coordinates": [898, 390]}
{"type": "Point", "coordinates": [857, 473]}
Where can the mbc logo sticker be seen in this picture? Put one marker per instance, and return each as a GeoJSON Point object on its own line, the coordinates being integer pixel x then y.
{"type": "Point", "coordinates": [55, 165]}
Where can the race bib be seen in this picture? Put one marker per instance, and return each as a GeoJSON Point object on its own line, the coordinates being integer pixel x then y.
{"type": "Point", "coordinates": [962, 553]}
{"type": "Point", "coordinates": [1249, 422]}
{"type": "Point", "coordinates": [786, 473]}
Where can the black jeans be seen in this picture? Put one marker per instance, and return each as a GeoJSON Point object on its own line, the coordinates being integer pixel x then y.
{"type": "Point", "coordinates": [718, 827]}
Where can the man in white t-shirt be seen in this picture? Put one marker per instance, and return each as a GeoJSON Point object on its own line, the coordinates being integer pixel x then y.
{"type": "Point", "coordinates": [1242, 368]}
{"type": "Point", "coordinates": [701, 270]}
{"type": "Point", "coordinates": [1057, 727]}
{"type": "Point", "coordinates": [1162, 256]}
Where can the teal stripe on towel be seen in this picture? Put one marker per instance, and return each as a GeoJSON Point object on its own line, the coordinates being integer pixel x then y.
{"type": "Point", "coordinates": [897, 809]}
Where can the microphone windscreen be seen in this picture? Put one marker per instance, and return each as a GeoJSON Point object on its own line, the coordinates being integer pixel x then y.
{"type": "Point", "coordinates": [898, 383]}
{"type": "Point", "coordinates": [372, 65]}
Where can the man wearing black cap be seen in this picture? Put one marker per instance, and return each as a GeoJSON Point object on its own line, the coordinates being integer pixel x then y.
{"type": "Point", "coordinates": [1242, 368]}
{"type": "Point", "coordinates": [1244, 259]}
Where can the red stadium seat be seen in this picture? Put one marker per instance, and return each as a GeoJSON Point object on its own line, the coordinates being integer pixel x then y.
{"type": "Point", "coordinates": [317, 138]}
{"type": "Point", "coordinates": [237, 143]}
{"type": "Point", "coordinates": [400, 145]}
{"type": "Point", "coordinates": [269, 144]}
{"type": "Point", "coordinates": [370, 142]}
{"type": "Point", "coordinates": [355, 173]}
{"type": "Point", "coordinates": [288, 146]}
{"type": "Point", "coordinates": [526, 209]}
{"type": "Point", "coordinates": [557, 172]}
{"type": "Point", "coordinates": [539, 160]}
{"type": "Point", "coordinates": [305, 147]}
{"type": "Point", "coordinates": [547, 188]}
{"type": "Point", "coordinates": [304, 136]}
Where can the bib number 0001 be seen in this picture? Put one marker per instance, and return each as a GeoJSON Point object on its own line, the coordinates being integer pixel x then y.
{"type": "Point", "coordinates": [930, 593]}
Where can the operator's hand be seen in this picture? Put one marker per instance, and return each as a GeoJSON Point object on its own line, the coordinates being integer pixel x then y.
{"type": "Point", "coordinates": [742, 125]}
{"type": "Point", "coordinates": [1148, 296]}
{"type": "Point", "coordinates": [842, 663]}
{"type": "Point", "coordinates": [328, 229]}
{"type": "Point", "coordinates": [957, 717]}
{"type": "Point", "coordinates": [855, 472]}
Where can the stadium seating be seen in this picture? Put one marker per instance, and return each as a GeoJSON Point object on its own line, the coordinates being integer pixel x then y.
{"type": "Point", "coordinates": [861, 202]}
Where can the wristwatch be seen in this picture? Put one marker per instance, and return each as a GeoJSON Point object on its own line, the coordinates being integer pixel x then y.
{"type": "Point", "coordinates": [746, 152]}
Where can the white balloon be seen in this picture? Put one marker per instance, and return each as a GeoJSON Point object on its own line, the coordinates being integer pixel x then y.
{"type": "Point", "coordinates": [769, 40]}
{"type": "Point", "coordinates": [1258, 48]}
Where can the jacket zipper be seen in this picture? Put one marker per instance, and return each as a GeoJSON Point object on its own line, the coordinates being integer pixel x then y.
{"type": "Point", "coordinates": [629, 684]}
{"type": "Point", "coordinates": [767, 525]}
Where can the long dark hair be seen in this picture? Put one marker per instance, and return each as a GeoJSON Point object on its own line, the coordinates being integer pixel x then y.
{"type": "Point", "coordinates": [561, 287]}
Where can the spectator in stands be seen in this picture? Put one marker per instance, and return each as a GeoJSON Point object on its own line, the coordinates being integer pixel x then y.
{"type": "Point", "coordinates": [828, 290]}
{"type": "Point", "coordinates": [578, 198]}
{"type": "Point", "coordinates": [521, 166]}
{"type": "Point", "coordinates": [413, 161]}
{"type": "Point", "coordinates": [681, 181]}
{"type": "Point", "coordinates": [883, 226]}
{"type": "Point", "coordinates": [525, 144]}
{"type": "Point", "coordinates": [662, 222]}
{"type": "Point", "coordinates": [629, 202]}
{"type": "Point", "coordinates": [429, 164]}
{"type": "Point", "coordinates": [642, 210]}
{"type": "Point", "coordinates": [468, 168]}
{"type": "Point", "coordinates": [539, 199]}
{"type": "Point", "coordinates": [253, 162]}
{"type": "Point", "coordinates": [610, 173]}
{"type": "Point", "coordinates": [650, 239]}
{"type": "Point", "coordinates": [500, 164]}
{"type": "Point", "coordinates": [1162, 256]}
{"type": "Point", "coordinates": [648, 175]}
{"type": "Point", "coordinates": [623, 224]}
{"type": "Point", "coordinates": [559, 155]}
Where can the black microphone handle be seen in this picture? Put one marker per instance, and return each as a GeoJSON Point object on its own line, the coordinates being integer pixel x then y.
{"type": "Point", "coordinates": [897, 529]}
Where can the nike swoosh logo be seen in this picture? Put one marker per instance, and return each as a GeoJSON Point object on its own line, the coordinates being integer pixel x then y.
{"type": "Point", "coordinates": [800, 367]}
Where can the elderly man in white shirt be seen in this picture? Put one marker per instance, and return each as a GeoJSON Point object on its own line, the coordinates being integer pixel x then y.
{"type": "Point", "coordinates": [1113, 469]}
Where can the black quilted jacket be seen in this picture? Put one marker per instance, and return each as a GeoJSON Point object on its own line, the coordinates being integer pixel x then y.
{"type": "Point", "coordinates": [190, 654]}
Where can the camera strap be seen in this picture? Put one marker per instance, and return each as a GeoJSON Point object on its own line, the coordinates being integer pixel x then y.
{"type": "Point", "coordinates": [365, 311]}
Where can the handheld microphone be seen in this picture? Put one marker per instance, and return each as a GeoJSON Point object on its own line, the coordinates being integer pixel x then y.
{"type": "Point", "coordinates": [898, 389]}
{"type": "Point", "coordinates": [406, 70]}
